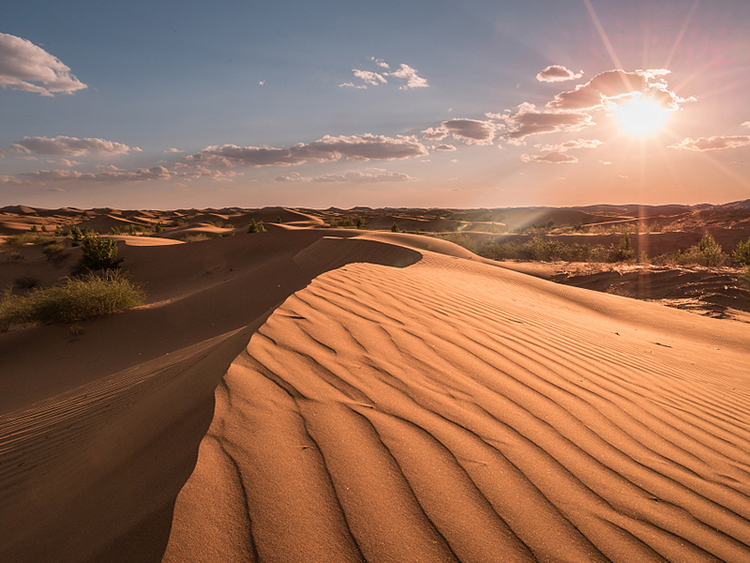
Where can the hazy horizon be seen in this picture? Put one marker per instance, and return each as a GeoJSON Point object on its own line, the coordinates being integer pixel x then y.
{"type": "Point", "coordinates": [424, 104]}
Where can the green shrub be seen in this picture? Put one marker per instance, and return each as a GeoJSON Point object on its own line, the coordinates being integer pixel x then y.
{"type": "Point", "coordinates": [711, 251]}
{"type": "Point", "coordinates": [76, 235]}
{"type": "Point", "coordinates": [53, 249]}
{"type": "Point", "coordinates": [624, 250]}
{"type": "Point", "coordinates": [394, 228]}
{"type": "Point", "coordinates": [114, 231]}
{"type": "Point", "coordinates": [98, 254]}
{"type": "Point", "coordinates": [741, 254]}
{"type": "Point", "coordinates": [75, 299]}
{"type": "Point", "coordinates": [28, 237]}
{"type": "Point", "coordinates": [196, 238]}
{"type": "Point", "coordinates": [256, 227]}
{"type": "Point", "coordinates": [460, 239]}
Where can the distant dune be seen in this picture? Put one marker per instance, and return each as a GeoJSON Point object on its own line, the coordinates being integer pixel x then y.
{"type": "Point", "coordinates": [328, 394]}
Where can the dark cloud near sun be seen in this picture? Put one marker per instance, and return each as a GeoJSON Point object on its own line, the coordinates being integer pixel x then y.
{"type": "Point", "coordinates": [470, 131]}
{"type": "Point", "coordinates": [528, 120]}
{"type": "Point", "coordinates": [327, 149]}
{"type": "Point", "coordinates": [718, 142]}
{"type": "Point", "coordinates": [557, 73]}
{"type": "Point", "coordinates": [615, 84]}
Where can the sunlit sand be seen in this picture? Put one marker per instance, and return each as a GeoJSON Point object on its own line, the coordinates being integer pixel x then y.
{"type": "Point", "coordinates": [331, 394]}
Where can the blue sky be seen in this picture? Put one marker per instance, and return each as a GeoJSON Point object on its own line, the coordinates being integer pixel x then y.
{"type": "Point", "coordinates": [441, 103]}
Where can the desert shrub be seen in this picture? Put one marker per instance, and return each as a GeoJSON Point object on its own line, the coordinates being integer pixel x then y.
{"type": "Point", "coordinates": [461, 239]}
{"type": "Point", "coordinates": [115, 231]}
{"type": "Point", "coordinates": [76, 235]}
{"type": "Point", "coordinates": [394, 228]}
{"type": "Point", "coordinates": [655, 227]}
{"type": "Point", "coordinates": [75, 299]}
{"type": "Point", "coordinates": [53, 249]}
{"type": "Point", "coordinates": [256, 227]}
{"type": "Point", "coordinates": [98, 254]}
{"type": "Point", "coordinates": [542, 249]}
{"type": "Point", "coordinates": [33, 229]}
{"type": "Point", "coordinates": [58, 231]}
{"type": "Point", "coordinates": [711, 251]}
{"type": "Point", "coordinates": [196, 238]}
{"type": "Point", "coordinates": [26, 282]}
{"type": "Point", "coordinates": [132, 230]}
{"type": "Point", "coordinates": [28, 237]}
{"type": "Point", "coordinates": [159, 227]}
{"type": "Point", "coordinates": [741, 254]}
{"type": "Point", "coordinates": [624, 250]}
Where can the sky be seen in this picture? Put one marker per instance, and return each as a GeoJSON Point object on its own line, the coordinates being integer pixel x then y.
{"type": "Point", "coordinates": [424, 103]}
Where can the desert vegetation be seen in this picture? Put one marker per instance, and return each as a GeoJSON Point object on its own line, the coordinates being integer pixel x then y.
{"type": "Point", "coordinates": [73, 299]}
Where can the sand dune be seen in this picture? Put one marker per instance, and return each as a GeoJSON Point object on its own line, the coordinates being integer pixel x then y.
{"type": "Point", "coordinates": [393, 399]}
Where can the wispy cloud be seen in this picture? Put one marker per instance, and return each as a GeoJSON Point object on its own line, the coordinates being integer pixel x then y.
{"type": "Point", "coordinates": [372, 78]}
{"type": "Point", "coordinates": [69, 146]}
{"type": "Point", "coordinates": [715, 143]}
{"type": "Point", "coordinates": [69, 163]}
{"type": "Point", "coordinates": [557, 73]}
{"type": "Point", "coordinates": [571, 145]}
{"type": "Point", "coordinates": [327, 149]}
{"type": "Point", "coordinates": [173, 151]}
{"type": "Point", "coordinates": [378, 176]}
{"type": "Point", "coordinates": [413, 79]}
{"type": "Point", "coordinates": [550, 158]}
{"type": "Point", "coordinates": [445, 147]}
{"type": "Point", "coordinates": [141, 175]}
{"type": "Point", "coordinates": [26, 67]}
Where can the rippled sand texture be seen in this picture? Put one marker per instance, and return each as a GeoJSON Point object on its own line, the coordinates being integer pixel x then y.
{"type": "Point", "coordinates": [454, 411]}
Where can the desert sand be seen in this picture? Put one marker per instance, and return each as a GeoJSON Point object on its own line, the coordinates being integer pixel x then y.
{"type": "Point", "coordinates": [316, 394]}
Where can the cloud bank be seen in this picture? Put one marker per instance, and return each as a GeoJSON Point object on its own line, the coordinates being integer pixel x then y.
{"type": "Point", "coordinates": [26, 67]}
{"type": "Point", "coordinates": [69, 146]}
{"type": "Point", "coordinates": [327, 149]}
{"type": "Point", "coordinates": [715, 143]}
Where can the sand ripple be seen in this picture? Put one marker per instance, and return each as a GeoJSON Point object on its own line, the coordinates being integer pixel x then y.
{"type": "Point", "coordinates": [452, 411]}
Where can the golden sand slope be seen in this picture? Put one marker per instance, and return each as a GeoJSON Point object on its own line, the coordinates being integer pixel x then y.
{"type": "Point", "coordinates": [451, 410]}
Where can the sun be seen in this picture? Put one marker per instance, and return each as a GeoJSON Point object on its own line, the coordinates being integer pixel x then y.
{"type": "Point", "coordinates": [641, 117]}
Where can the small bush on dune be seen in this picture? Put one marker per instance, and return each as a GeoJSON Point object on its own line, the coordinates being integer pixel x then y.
{"type": "Point", "coordinates": [75, 299]}
{"type": "Point", "coordinates": [98, 254]}
{"type": "Point", "coordinates": [460, 239]}
{"type": "Point", "coordinates": [256, 227]}
{"type": "Point", "coordinates": [741, 255]}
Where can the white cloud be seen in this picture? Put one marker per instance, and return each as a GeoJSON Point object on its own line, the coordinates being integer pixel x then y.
{"type": "Point", "coordinates": [293, 177]}
{"type": "Point", "coordinates": [413, 79]}
{"type": "Point", "coordinates": [445, 147]}
{"type": "Point", "coordinates": [69, 146]}
{"type": "Point", "coordinates": [380, 62]}
{"type": "Point", "coordinates": [26, 67]}
{"type": "Point", "coordinates": [352, 85]}
{"type": "Point", "coordinates": [746, 124]}
{"type": "Point", "coordinates": [327, 149]}
{"type": "Point", "coordinates": [435, 133]}
{"type": "Point", "coordinates": [605, 162]}
{"type": "Point", "coordinates": [366, 178]}
{"type": "Point", "coordinates": [571, 145]}
{"type": "Point", "coordinates": [718, 142]}
{"type": "Point", "coordinates": [173, 150]}
{"type": "Point", "coordinates": [550, 158]}
{"type": "Point", "coordinates": [66, 162]}
{"type": "Point", "coordinates": [11, 181]}
{"type": "Point", "coordinates": [368, 77]}
{"type": "Point", "coordinates": [557, 73]}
